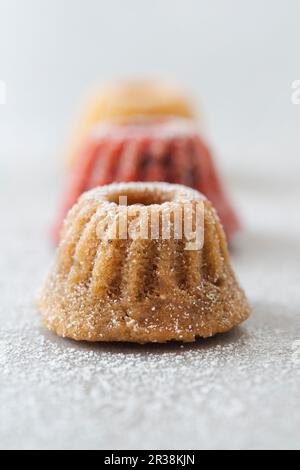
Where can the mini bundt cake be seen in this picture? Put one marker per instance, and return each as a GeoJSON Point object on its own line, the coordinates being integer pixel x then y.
{"type": "Point", "coordinates": [127, 100]}
{"type": "Point", "coordinates": [142, 283]}
{"type": "Point", "coordinates": [167, 151]}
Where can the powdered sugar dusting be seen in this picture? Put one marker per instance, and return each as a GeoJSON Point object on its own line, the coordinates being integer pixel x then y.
{"type": "Point", "coordinates": [177, 127]}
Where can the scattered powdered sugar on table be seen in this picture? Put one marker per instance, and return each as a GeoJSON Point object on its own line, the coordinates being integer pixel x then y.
{"type": "Point", "coordinates": [239, 390]}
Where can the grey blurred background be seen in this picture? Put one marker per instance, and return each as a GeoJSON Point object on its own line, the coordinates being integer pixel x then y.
{"type": "Point", "coordinates": [238, 58]}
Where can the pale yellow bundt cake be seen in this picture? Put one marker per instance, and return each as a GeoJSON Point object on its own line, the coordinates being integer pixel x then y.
{"type": "Point", "coordinates": [124, 101]}
{"type": "Point", "coordinates": [150, 279]}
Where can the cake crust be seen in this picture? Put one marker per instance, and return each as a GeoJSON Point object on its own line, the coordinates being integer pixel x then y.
{"type": "Point", "coordinates": [125, 101]}
{"type": "Point", "coordinates": [140, 290]}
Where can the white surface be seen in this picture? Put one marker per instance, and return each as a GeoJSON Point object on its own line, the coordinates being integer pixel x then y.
{"type": "Point", "coordinates": [236, 391]}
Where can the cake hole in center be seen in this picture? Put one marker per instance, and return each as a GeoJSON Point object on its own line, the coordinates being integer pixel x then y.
{"type": "Point", "coordinates": [141, 199]}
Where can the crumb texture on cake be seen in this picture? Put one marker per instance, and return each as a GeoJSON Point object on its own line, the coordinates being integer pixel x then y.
{"type": "Point", "coordinates": [140, 290]}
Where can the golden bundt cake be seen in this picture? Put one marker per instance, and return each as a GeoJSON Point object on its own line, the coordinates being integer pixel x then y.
{"type": "Point", "coordinates": [147, 280]}
{"type": "Point", "coordinates": [127, 100]}
{"type": "Point", "coordinates": [170, 150]}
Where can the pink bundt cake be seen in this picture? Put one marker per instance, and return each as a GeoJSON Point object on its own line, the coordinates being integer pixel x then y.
{"type": "Point", "coordinates": [169, 150]}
